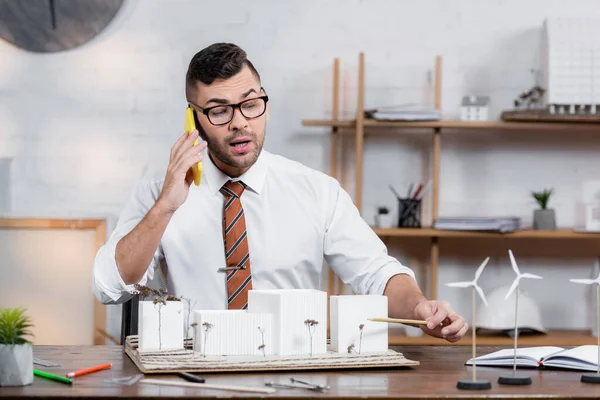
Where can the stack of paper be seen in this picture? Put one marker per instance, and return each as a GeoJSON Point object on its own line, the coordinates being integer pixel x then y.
{"type": "Point", "coordinates": [495, 224]}
{"type": "Point", "coordinates": [402, 114]}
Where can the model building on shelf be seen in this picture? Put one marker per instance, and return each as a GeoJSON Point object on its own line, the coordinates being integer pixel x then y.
{"type": "Point", "coordinates": [571, 65]}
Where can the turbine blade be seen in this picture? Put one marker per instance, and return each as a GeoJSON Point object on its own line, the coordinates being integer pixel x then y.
{"type": "Point", "coordinates": [531, 276]}
{"type": "Point", "coordinates": [513, 262]}
{"type": "Point", "coordinates": [459, 284]}
{"type": "Point", "coordinates": [512, 288]}
{"type": "Point", "coordinates": [584, 281]}
{"type": "Point", "coordinates": [480, 269]}
{"type": "Point", "coordinates": [481, 294]}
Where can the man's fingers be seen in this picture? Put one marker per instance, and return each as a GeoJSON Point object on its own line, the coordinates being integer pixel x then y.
{"type": "Point", "coordinates": [443, 309]}
{"type": "Point", "coordinates": [462, 332]}
{"type": "Point", "coordinates": [177, 145]}
{"type": "Point", "coordinates": [185, 163]}
{"type": "Point", "coordinates": [187, 143]}
{"type": "Point", "coordinates": [456, 325]}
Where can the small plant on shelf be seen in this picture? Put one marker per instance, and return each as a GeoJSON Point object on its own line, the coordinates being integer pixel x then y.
{"type": "Point", "coordinates": [383, 217]}
{"type": "Point", "coordinates": [543, 218]}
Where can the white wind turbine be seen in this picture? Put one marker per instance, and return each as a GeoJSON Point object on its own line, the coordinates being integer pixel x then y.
{"type": "Point", "coordinates": [514, 380]}
{"type": "Point", "coordinates": [473, 385]}
{"type": "Point", "coordinates": [593, 378]}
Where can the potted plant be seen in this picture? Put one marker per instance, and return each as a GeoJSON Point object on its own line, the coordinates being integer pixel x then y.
{"type": "Point", "coordinates": [383, 219]}
{"type": "Point", "coordinates": [16, 352]}
{"type": "Point", "coordinates": [543, 218]}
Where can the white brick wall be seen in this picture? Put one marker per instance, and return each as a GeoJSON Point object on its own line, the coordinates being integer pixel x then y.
{"type": "Point", "coordinates": [80, 126]}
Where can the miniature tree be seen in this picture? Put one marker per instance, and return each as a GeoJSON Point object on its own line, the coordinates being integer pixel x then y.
{"type": "Point", "coordinates": [190, 306]}
{"type": "Point", "coordinates": [360, 328]}
{"type": "Point", "coordinates": [160, 298]}
{"type": "Point", "coordinates": [195, 328]}
{"type": "Point", "coordinates": [207, 327]}
{"type": "Point", "coordinates": [311, 325]}
{"type": "Point", "coordinates": [262, 335]}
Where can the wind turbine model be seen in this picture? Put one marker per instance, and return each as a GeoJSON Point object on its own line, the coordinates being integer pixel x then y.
{"type": "Point", "coordinates": [473, 384]}
{"type": "Point", "coordinates": [514, 379]}
{"type": "Point", "coordinates": [593, 378]}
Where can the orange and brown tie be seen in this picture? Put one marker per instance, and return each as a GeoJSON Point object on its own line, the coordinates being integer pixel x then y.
{"type": "Point", "coordinates": [237, 256]}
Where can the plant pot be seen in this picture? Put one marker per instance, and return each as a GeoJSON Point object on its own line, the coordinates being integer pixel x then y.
{"type": "Point", "coordinates": [384, 220]}
{"type": "Point", "coordinates": [544, 219]}
{"type": "Point", "coordinates": [16, 364]}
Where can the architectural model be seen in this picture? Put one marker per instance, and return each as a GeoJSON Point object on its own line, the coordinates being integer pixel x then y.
{"type": "Point", "coordinates": [351, 331]}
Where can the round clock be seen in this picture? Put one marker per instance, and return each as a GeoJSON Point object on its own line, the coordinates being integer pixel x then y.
{"type": "Point", "coordinates": [46, 26]}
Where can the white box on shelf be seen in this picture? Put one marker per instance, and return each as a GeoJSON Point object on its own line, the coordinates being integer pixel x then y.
{"type": "Point", "coordinates": [291, 309]}
{"type": "Point", "coordinates": [160, 326]}
{"type": "Point", "coordinates": [348, 313]}
{"type": "Point", "coordinates": [232, 333]}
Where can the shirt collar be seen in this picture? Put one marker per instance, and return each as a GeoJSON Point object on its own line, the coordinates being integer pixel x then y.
{"type": "Point", "coordinates": [254, 178]}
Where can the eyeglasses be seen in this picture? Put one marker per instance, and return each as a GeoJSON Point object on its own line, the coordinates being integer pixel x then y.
{"type": "Point", "coordinates": [223, 114]}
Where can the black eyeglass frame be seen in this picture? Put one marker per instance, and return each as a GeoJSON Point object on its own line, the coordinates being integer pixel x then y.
{"type": "Point", "coordinates": [205, 111]}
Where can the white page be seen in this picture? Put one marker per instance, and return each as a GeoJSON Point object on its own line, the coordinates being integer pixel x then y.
{"type": "Point", "coordinates": [533, 354]}
{"type": "Point", "coordinates": [587, 354]}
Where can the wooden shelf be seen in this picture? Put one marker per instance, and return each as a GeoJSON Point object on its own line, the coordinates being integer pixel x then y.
{"type": "Point", "coordinates": [561, 338]}
{"type": "Point", "coordinates": [449, 124]}
{"type": "Point", "coordinates": [565, 233]}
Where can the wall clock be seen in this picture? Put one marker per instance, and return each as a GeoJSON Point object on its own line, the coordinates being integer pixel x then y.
{"type": "Point", "coordinates": [47, 26]}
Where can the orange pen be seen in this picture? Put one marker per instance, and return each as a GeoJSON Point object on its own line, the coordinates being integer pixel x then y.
{"type": "Point", "coordinates": [88, 370]}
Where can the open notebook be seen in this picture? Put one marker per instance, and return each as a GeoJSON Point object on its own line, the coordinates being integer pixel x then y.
{"type": "Point", "coordinates": [581, 358]}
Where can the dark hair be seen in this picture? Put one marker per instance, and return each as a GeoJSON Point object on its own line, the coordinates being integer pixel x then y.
{"type": "Point", "coordinates": [217, 61]}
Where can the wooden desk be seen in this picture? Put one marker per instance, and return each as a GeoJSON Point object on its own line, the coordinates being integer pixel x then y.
{"type": "Point", "coordinates": [436, 377]}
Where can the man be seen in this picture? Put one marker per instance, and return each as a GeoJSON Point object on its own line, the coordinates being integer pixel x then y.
{"type": "Point", "coordinates": [257, 220]}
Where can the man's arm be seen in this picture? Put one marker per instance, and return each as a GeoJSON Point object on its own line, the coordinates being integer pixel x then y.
{"type": "Point", "coordinates": [403, 295]}
{"type": "Point", "coordinates": [360, 259]}
{"type": "Point", "coordinates": [406, 301]}
{"type": "Point", "coordinates": [132, 251]}
{"type": "Point", "coordinates": [135, 251]}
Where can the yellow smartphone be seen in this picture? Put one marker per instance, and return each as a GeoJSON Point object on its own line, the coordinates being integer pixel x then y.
{"type": "Point", "coordinates": [189, 126]}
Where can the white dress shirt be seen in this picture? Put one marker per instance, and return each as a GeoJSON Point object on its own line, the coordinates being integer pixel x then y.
{"type": "Point", "coordinates": [298, 220]}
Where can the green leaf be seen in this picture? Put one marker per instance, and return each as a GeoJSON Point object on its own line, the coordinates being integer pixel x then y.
{"type": "Point", "coordinates": [543, 197]}
{"type": "Point", "coordinates": [14, 326]}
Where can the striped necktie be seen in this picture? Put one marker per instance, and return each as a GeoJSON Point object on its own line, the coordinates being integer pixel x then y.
{"type": "Point", "coordinates": [237, 255]}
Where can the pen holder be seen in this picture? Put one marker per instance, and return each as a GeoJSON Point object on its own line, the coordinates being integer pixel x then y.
{"type": "Point", "coordinates": [409, 213]}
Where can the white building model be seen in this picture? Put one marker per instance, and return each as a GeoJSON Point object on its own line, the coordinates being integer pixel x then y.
{"type": "Point", "coordinates": [157, 325]}
{"type": "Point", "coordinates": [232, 333]}
{"type": "Point", "coordinates": [351, 330]}
{"type": "Point", "coordinates": [277, 322]}
{"type": "Point", "coordinates": [571, 64]}
{"type": "Point", "coordinates": [299, 319]}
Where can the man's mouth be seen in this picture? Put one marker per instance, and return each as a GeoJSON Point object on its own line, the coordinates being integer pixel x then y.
{"type": "Point", "coordinates": [240, 145]}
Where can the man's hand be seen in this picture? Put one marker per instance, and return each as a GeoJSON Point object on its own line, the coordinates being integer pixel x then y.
{"type": "Point", "coordinates": [442, 321]}
{"type": "Point", "coordinates": [179, 176]}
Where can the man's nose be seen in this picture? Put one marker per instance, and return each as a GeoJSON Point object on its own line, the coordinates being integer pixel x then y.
{"type": "Point", "coordinates": [238, 121]}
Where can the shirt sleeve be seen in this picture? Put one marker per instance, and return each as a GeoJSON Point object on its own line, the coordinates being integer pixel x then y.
{"type": "Point", "coordinates": [107, 284]}
{"type": "Point", "coordinates": [353, 250]}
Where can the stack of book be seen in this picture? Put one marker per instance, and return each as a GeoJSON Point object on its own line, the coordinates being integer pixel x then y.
{"type": "Point", "coordinates": [401, 113]}
{"type": "Point", "coordinates": [494, 224]}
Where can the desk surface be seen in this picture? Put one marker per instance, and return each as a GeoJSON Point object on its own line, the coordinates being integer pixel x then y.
{"type": "Point", "coordinates": [436, 377]}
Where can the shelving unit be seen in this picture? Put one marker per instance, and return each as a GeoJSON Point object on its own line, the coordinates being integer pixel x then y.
{"type": "Point", "coordinates": [358, 126]}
